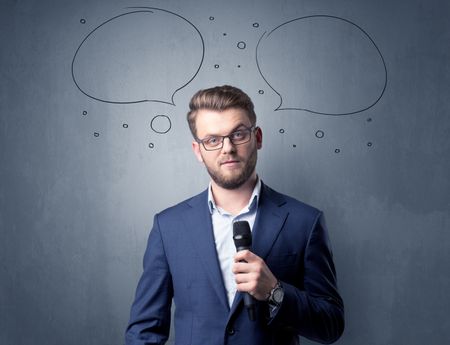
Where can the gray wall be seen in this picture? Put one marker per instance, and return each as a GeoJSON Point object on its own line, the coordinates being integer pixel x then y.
{"type": "Point", "coordinates": [353, 100]}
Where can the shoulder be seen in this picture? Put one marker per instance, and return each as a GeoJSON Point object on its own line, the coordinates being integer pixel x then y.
{"type": "Point", "coordinates": [291, 204]}
{"type": "Point", "coordinates": [200, 199]}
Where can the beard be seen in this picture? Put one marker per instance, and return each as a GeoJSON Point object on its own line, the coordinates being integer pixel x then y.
{"type": "Point", "coordinates": [237, 180]}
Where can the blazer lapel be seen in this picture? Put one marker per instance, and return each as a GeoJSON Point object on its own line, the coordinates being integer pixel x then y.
{"type": "Point", "coordinates": [198, 222]}
{"type": "Point", "coordinates": [268, 224]}
{"type": "Point", "coordinates": [269, 221]}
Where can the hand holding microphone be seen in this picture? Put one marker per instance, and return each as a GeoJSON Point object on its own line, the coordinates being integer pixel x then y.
{"type": "Point", "coordinates": [251, 272]}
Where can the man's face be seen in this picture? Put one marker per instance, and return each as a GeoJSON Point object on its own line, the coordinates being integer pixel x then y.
{"type": "Point", "coordinates": [232, 165]}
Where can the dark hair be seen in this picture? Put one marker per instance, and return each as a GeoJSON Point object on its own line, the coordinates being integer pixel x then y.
{"type": "Point", "coordinates": [219, 98]}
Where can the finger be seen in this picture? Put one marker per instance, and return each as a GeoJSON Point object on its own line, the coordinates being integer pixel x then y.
{"type": "Point", "coordinates": [249, 277]}
{"type": "Point", "coordinates": [240, 256]}
{"type": "Point", "coordinates": [241, 267]}
{"type": "Point", "coordinates": [241, 278]}
{"type": "Point", "coordinates": [245, 255]}
{"type": "Point", "coordinates": [245, 267]}
{"type": "Point", "coordinates": [246, 287]}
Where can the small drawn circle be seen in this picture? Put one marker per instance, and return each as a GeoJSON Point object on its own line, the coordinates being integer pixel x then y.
{"type": "Point", "coordinates": [84, 112]}
{"type": "Point", "coordinates": [211, 18]}
{"type": "Point", "coordinates": [125, 125]}
{"type": "Point", "coordinates": [320, 134]}
{"type": "Point", "coordinates": [96, 134]}
{"type": "Point", "coordinates": [216, 66]}
{"type": "Point", "coordinates": [337, 151]}
{"type": "Point", "coordinates": [161, 124]}
{"type": "Point", "coordinates": [261, 92]}
{"type": "Point", "coordinates": [241, 45]}
{"type": "Point", "coordinates": [151, 145]}
{"type": "Point", "coordinates": [281, 130]}
{"type": "Point", "coordinates": [83, 21]}
{"type": "Point", "coordinates": [369, 144]}
{"type": "Point", "coordinates": [256, 25]}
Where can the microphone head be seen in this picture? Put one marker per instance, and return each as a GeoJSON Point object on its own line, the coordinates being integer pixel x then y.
{"type": "Point", "coordinates": [242, 235]}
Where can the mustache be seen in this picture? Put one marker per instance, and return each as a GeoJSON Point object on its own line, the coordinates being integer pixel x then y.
{"type": "Point", "coordinates": [229, 159]}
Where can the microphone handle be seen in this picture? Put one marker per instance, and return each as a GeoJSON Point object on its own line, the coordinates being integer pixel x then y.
{"type": "Point", "coordinates": [249, 301]}
{"type": "Point", "coordinates": [238, 249]}
{"type": "Point", "coordinates": [250, 305]}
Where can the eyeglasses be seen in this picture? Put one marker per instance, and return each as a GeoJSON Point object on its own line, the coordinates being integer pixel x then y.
{"type": "Point", "coordinates": [215, 142]}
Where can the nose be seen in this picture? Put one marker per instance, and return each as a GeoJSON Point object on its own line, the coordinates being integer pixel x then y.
{"type": "Point", "coordinates": [228, 146]}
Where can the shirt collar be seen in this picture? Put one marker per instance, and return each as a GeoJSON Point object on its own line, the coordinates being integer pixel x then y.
{"type": "Point", "coordinates": [253, 201]}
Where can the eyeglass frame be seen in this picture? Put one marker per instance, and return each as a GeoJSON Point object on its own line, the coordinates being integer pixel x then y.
{"type": "Point", "coordinates": [249, 129]}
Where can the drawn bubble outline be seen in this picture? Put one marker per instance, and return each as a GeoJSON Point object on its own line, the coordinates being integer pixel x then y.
{"type": "Point", "coordinates": [319, 134]}
{"type": "Point", "coordinates": [241, 45]}
{"type": "Point", "coordinates": [313, 111]}
{"type": "Point", "coordinates": [139, 10]}
{"type": "Point", "coordinates": [157, 131]}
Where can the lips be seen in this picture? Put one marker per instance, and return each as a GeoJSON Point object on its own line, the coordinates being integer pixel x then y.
{"type": "Point", "coordinates": [229, 162]}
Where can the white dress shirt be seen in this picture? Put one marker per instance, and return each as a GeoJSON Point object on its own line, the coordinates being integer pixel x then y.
{"type": "Point", "coordinates": [223, 235]}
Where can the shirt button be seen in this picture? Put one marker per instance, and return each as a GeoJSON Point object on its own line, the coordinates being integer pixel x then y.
{"type": "Point", "coordinates": [230, 330]}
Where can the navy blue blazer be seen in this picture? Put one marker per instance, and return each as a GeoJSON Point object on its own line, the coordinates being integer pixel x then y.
{"type": "Point", "coordinates": [181, 264]}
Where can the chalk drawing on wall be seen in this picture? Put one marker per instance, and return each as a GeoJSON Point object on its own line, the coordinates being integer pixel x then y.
{"type": "Point", "coordinates": [161, 124]}
{"type": "Point", "coordinates": [336, 66]}
{"type": "Point", "coordinates": [319, 134]}
{"type": "Point", "coordinates": [133, 57]}
{"type": "Point", "coordinates": [319, 64]}
{"type": "Point", "coordinates": [241, 45]}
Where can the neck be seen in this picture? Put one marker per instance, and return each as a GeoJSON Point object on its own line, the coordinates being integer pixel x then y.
{"type": "Point", "coordinates": [234, 200]}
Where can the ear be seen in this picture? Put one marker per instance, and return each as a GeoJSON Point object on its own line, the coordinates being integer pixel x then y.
{"type": "Point", "coordinates": [196, 149]}
{"type": "Point", "coordinates": [259, 137]}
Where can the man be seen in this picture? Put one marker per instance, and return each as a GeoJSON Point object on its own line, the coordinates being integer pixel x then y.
{"type": "Point", "coordinates": [191, 257]}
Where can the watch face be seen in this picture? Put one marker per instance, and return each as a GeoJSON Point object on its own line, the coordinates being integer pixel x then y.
{"type": "Point", "coordinates": [278, 295]}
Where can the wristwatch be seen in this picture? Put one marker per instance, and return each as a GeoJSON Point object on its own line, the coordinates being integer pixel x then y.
{"type": "Point", "coordinates": [276, 295]}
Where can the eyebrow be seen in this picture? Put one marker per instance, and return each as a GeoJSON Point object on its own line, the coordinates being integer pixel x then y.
{"type": "Point", "coordinates": [232, 131]}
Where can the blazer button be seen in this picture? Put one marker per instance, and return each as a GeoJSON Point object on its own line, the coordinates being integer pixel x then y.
{"type": "Point", "coordinates": [230, 330]}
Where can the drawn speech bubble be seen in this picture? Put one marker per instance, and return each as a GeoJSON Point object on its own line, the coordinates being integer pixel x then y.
{"type": "Point", "coordinates": [322, 64]}
{"type": "Point", "coordinates": [135, 57]}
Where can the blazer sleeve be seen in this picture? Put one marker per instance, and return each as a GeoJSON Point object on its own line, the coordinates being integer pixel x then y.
{"type": "Point", "coordinates": [151, 310]}
{"type": "Point", "coordinates": [316, 310]}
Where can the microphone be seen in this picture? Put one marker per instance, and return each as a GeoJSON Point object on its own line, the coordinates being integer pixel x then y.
{"type": "Point", "coordinates": [242, 238]}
